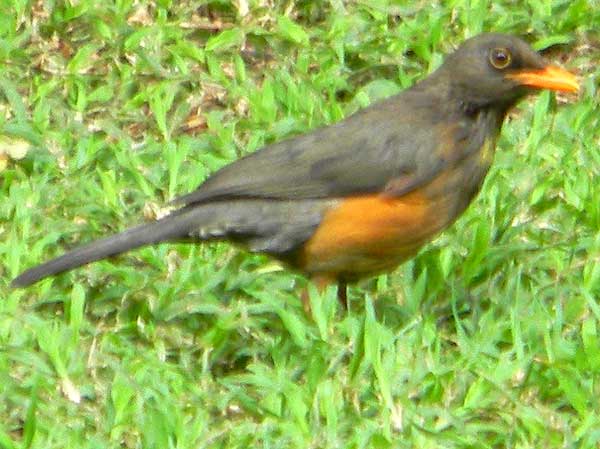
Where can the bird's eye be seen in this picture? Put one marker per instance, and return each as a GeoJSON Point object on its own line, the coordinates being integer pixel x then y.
{"type": "Point", "coordinates": [500, 58]}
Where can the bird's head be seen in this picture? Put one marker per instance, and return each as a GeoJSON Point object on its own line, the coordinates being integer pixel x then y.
{"type": "Point", "coordinates": [497, 69]}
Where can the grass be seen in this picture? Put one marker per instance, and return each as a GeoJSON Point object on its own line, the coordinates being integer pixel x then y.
{"type": "Point", "coordinates": [489, 338]}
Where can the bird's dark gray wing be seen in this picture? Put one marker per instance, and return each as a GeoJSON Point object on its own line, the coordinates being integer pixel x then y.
{"type": "Point", "coordinates": [361, 154]}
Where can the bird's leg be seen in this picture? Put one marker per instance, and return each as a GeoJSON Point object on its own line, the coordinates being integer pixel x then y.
{"type": "Point", "coordinates": [342, 293]}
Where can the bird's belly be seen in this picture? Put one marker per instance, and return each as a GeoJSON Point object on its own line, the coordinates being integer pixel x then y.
{"type": "Point", "coordinates": [370, 234]}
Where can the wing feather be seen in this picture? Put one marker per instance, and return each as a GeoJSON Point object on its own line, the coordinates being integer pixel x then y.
{"type": "Point", "coordinates": [399, 141]}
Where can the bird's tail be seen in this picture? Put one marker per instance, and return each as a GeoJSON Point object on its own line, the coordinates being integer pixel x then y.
{"type": "Point", "coordinates": [171, 227]}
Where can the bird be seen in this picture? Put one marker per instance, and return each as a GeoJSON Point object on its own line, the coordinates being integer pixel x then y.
{"type": "Point", "coordinates": [361, 196]}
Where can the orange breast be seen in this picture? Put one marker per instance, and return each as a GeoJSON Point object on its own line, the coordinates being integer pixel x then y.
{"type": "Point", "coordinates": [368, 234]}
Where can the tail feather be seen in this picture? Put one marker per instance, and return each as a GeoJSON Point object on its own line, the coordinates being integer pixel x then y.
{"type": "Point", "coordinates": [171, 227]}
{"type": "Point", "coordinates": [272, 227]}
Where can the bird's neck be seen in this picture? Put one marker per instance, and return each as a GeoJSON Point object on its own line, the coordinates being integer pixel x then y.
{"type": "Point", "coordinates": [472, 105]}
{"type": "Point", "coordinates": [477, 111]}
{"type": "Point", "coordinates": [461, 100]}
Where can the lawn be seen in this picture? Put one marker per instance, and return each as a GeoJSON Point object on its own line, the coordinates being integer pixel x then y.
{"type": "Point", "coordinates": [489, 338]}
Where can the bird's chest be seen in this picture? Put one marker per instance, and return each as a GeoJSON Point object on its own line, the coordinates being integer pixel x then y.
{"type": "Point", "coordinates": [456, 186]}
{"type": "Point", "coordinates": [472, 171]}
{"type": "Point", "coordinates": [465, 175]}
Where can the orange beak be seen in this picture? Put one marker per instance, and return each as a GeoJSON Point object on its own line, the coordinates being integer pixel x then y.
{"type": "Point", "coordinates": [551, 77]}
